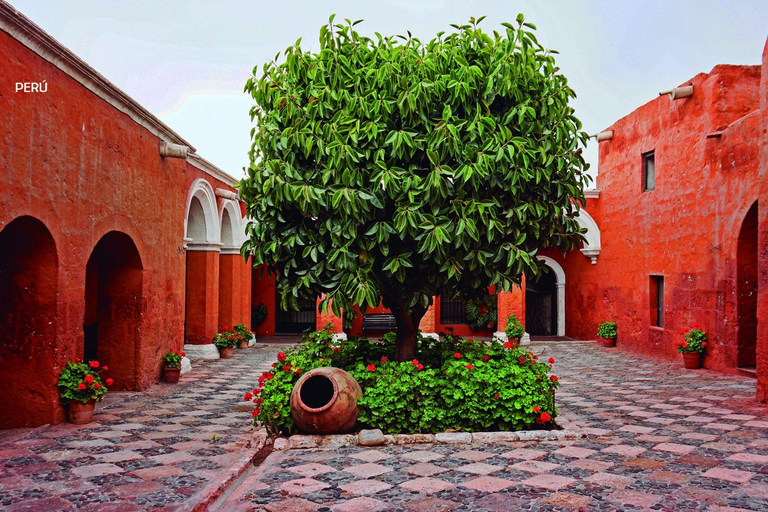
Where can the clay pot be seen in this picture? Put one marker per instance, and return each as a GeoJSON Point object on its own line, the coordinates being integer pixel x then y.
{"type": "Point", "coordinates": [171, 375]}
{"type": "Point", "coordinates": [692, 360]}
{"type": "Point", "coordinates": [609, 342]}
{"type": "Point", "coordinates": [81, 413]}
{"type": "Point", "coordinates": [225, 352]}
{"type": "Point", "coordinates": [324, 401]}
{"type": "Point", "coordinates": [242, 344]}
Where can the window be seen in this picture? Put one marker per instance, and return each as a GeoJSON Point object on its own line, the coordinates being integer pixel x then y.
{"type": "Point", "coordinates": [656, 293]}
{"type": "Point", "coordinates": [452, 311]}
{"type": "Point", "coordinates": [649, 171]}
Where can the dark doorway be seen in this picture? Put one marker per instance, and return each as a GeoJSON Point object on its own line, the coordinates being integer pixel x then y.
{"type": "Point", "coordinates": [28, 289]}
{"type": "Point", "coordinates": [292, 322]}
{"type": "Point", "coordinates": [541, 305]}
{"type": "Point", "coordinates": [113, 291]}
{"type": "Point", "coordinates": [747, 290]}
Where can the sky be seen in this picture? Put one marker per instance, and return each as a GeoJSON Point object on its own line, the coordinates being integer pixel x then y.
{"type": "Point", "coordinates": [187, 61]}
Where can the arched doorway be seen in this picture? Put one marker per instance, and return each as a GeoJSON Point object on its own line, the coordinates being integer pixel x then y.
{"type": "Point", "coordinates": [545, 302]}
{"type": "Point", "coordinates": [747, 290]}
{"type": "Point", "coordinates": [28, 290]}
{"type": "Point", "coordinates": [230, 265]}
{"type": "Point", "coordinates": [112, 322]}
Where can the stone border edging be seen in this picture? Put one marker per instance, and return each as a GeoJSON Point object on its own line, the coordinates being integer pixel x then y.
{"type": "Point", "coordinates": [297, 442]}
{"type": "Point", "coordinates": [214, 489]}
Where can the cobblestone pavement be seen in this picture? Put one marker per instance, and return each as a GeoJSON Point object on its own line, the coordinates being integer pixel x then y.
{"type": "Point", "coordinates": [659, 437]}
{"type": "Point", "coordinates": [148, 450]}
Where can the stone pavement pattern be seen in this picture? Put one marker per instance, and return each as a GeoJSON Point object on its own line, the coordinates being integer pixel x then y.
{"type": "Point", "coordinates": [149, 450]}
{"type": "Point", "coordinates": [659, 438]}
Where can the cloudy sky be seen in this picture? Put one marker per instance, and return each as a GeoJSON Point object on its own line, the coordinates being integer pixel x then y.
{"type": "Point", "coordinates": [187, 60]}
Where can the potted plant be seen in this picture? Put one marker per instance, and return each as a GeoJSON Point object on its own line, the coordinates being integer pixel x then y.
{"type": "Point", "coordinates": [607, 331]}
{"type": "Point", "coordinates": [243, 335]}
{"type": "Point", "coordinates": [225, 341]}
{"type": "Point", "coordinates": [172, 366]}
{"type": "Point", "coordinates": [258, 314]}
{"type": "Point", "coordinates": [514, 329]}
{"type": "Point", "coordinates": [80, 386]}
{"type": "Point", "coordinates": [692, 345]}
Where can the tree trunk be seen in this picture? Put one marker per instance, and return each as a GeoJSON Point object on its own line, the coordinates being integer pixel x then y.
{"type": "Point", "coordinates": [407, 334]}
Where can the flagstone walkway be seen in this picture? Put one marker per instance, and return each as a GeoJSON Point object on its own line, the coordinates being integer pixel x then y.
{"type": "Point", "coordinates": [145, 451]}
{"type": "Point", "coordinates": [660, 438]}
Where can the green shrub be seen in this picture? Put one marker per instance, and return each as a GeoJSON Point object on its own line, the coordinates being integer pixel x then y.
{"type": "Point", "coordinates": [81, 382]}
{"type": "Point", "coordinates": [694, 340]}
{"type": "Point", "coordinates": [453, 384]}
{"type": "Point", "coordinates": [607, 330]}
{"type": "Point", "coordinates": [173, 359]}
{"type": "Point", "coordinates": [225, 339]}
{"type": "Point", "coordinates": [514, 329]}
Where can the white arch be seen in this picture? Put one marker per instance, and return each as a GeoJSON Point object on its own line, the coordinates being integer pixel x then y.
{"type": "Point", "coordinates": [236, 227]}
{"type": "Point", "coordinates": [203, 192]}
{"type": "Point", "coordinates": [592, 245]}
{"type": "Point", "coordinates": [560, 283]}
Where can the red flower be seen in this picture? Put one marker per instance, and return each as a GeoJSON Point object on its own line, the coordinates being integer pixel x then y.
{"type": "Point", "coordinates": [485, 359]}
{"type": "Point", "coordinates": [256, 391]}
{"type": "Point", "coordinates": [248, 397]}
{"type": "Point", "coordinates": [521, 360]}
{"type": "Point", "coordinates": [496, 396]}
{"type": "Point", "coordinates": [553, 378]}
{"type": "Point", "coordinates": [105, 368]}
{"type": "Point", "coordinates": [457, 355]}
{"type": "Point", "coordinates": [469, 367]}
{"type": "Point", "coordinates": [420, 367]}
{"type": "Point", "coordinates": [335, 350]}
{"type": "Point", "coordinates": [255, 412]}
{"type": "Point", "coordinates": [508, 344]}
{"type": "Point", "coordinates": [370, 368]}
{"type": "Point", "coordinates": [298, 370]}
{"type": "Point", "coordinates": [109, 382]}
{"type": "Point", "coordinates": [703, 343]}
{"type": "Point", "coordinates": [275, 364]}
{"type": "Point", "coordinates": [536, 408]}
{"type": "Point", "coordinates": [286, 368]}
{"type": "Point", "coordinates": [545, 417]}
{"type": "Point", "coordinates": [88, 379]}
{"type": "Point", "coordinates": [239, 336]}
{"type": "Point", "coordinates": [94, 364]}
{"type": "Point", "coordinates": [281, 357]}
{"type": "Point", "coordinates": [97, 386]}
{"type": "Point", "coordinates": [182, 354]}
{"type": "Point", "coordinates": [415, 362]}
{"type": "Point", "coordinates": [81, 386]}
{"type": "Point", "coordinates": [471, 340]}
{"type": "Point", "coordinates": [384, 359]}
{"type": "Point", "coordinates": [226, 327]}
{"type": "Point", "coordinates": [551, 360]}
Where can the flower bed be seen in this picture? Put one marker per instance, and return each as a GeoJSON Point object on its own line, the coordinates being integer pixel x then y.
{"type": "Point", "coordinates": [455, 384]}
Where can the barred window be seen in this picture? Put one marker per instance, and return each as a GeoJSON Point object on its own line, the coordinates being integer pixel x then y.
{"type": "Point", "coordinates": [452, 311]}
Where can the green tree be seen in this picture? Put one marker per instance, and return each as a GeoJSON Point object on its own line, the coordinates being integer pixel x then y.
{"type": "Point", "coordinates": [390, 169]}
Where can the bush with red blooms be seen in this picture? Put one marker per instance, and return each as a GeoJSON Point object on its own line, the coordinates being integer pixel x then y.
{"type": "Point", "coordinates": [173, 359]}
{"type": "Point", "coordinates": [226, 338]}
{"type": "Point", "coordinates": [694, 340]}
{"type": "Point", "coordinates": [452, 384]}
{"type": "Point", "coordinates": [81, 382]}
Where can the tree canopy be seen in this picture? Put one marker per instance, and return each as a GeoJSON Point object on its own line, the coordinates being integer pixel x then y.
{"type": "Point", "coordinates": [388, 168]}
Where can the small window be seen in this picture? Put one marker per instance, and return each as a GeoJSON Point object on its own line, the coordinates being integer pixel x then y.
{"type": "Point", "coordinates": [649, 171]}
{"type": "Point", "coordinates": [452, 311]}
{"type": "Point", "coordinates": [657, 301]}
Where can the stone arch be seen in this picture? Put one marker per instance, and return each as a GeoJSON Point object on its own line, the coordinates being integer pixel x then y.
{"type": "Point", "coordinates": [232, 229]}
{"type": "Point", "coordinates": [201, 222]}
{"type": "Point", "coordinates": [592, 246]}
{"type": "Point", "coordinates": [559, 295]}
{"type": "Point", "coordinates": [746, 289]}
{"type": "Point", "coordinates": [230, 266]}
{"type": "Point", "coordinates": [114, 278]}
{"type": "Point", "coordinates": [28, 327]}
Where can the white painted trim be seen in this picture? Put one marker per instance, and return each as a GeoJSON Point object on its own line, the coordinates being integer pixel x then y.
{"type": "Point", "coordinates": [207, 351]}
{"type": "Point", "coordinates": [238, 226]}
{"type": "Point", "coordinates": [592, 193]}
{"type": "Point", "coordinates": [186, 365]}
{"type": "Point", "coordinates": [230, 251]}
{"type": "Point", "coordinates": [560, 283]}
{"type": "Point", "coordinates": [208, 168]}
{"type": "Point", "coordinates": [592, 246]}
{"type": "Point", "coordinates": [204, 246]}
{"type": "Point", "coordinates": [204, 192]}
{"type": "Point", "coordinates": [41, 43]}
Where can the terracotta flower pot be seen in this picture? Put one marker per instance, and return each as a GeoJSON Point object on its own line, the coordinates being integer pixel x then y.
{"type": "Point", "coordinates": [225, 352]}
{"type": "Point", "coordinates": [171, 375]}
{"type": "Point", "coordinates": [242, 344]}
{"type": "Point", "coordinates": [324, 401]}
{"type": "Point", "coordinates": [692, 360]}
{"type": "Point", "coordinates": [81, 413]}
{"type": "Point", "coordinates": [609, 342]}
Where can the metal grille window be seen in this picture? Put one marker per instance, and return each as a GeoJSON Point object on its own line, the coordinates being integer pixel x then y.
{"type": "Point", "coordinates": [287, 322]}
{"type": "Point", "coordinates": [452, 312]}
{"type": "Point", "coordinates": [649, 171]}
{"type": "Point", "coordinates": [656, 293]}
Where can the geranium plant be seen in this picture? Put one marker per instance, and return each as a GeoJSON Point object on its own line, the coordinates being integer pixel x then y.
{"type": "Point", "coordinates": [81, 382]}
{"type": "Point", "coordinates": [225, 338]}
{"type": "Point", "coordinates": [607, 330]}
{"type": "Point", "coordinates": [694, 340]}
{"type": "Point", "coordinates": [173, 359]}
{"type": "Point", "coordinates": [242, 333]}
{"type": "Point", "coordinates": [514, 329]}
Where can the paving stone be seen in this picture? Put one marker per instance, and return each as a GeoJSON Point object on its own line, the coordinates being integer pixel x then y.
{"type": "Point", "coordinates": [367, 470]}
{"type": "Point", "coordinates": [365, 487]}
{"type": "Point", "coordinates": [730, 475]}
{"type": "Point", "coordinates": [426, 485]}
{"type": "Point", "coordinates": [549, 481]}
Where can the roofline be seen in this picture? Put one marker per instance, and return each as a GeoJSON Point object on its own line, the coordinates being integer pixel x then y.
{"type": "Point", "coordinates": [207, 167]}
{"type": "Point", "coordinates": [43, 44]}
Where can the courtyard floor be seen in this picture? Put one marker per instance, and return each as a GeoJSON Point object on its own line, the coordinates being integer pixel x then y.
{"type": "Point", "coordinates": [658, 437]}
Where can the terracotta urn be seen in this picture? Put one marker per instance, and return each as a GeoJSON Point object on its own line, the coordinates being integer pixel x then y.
{"type": "Point", "coordinates": [225, 352]}
{"type": "Point", "coordinates": [171, 375]}
{"type": "Point", "coordinates": [242, 344]}
{"type": "Point", "coordinates": [81, 413]}
{"type": "Point", "coordinates": [692, 360]}
{"type": "Point", "coordinates": [609, 342]}
{"type": "Point", "coordinates": [324, 401]}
